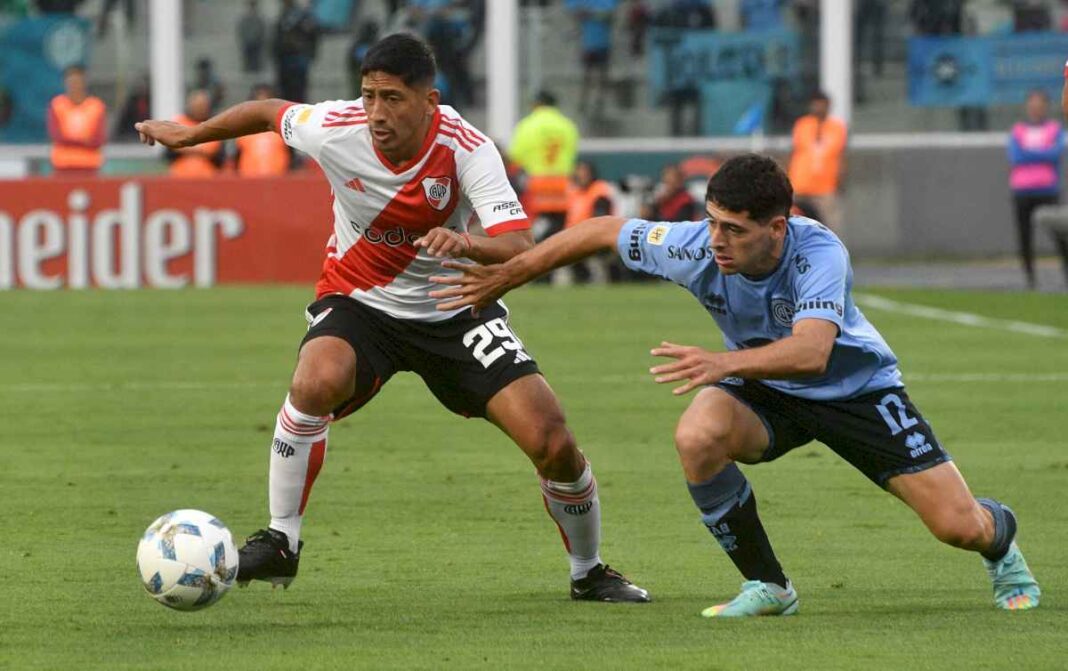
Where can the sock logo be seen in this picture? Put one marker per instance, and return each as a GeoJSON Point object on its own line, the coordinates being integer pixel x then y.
{"type": "Point", "coordinates": [723, 535]}
{"type": "Point", "coordinates": [284, 449]}
{"type": "Point", "coordinates": [580, 509]}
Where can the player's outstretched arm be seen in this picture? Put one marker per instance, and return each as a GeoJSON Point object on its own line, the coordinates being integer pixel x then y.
{"type": "Point", "coordinates": [247, 118]}
{"type": "Point", "coordinates": [478, 286]}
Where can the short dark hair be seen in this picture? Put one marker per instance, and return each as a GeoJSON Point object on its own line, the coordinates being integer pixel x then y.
{"type": "Point", "coordinates": [404, 56]}
{"type": "Point", "coordinates": [545, 98]}
{"type": "Point", "coordinates": [77, 68]}
{"type": "Point", "coordinates": [819, 96]}
{"type": "Point", "coordinates": [1040, 93]}
{"type": "Point", "coordinates": [751, 183]}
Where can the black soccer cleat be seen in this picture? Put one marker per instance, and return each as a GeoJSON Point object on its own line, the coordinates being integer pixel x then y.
{"type": "Point", "coordinates": [604, 583]}
{"type": "Point", "coordinates": [266, 556]}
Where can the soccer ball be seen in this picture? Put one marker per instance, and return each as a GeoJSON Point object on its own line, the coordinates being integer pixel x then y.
{"type": "Point", "coordinates": [187, 560]}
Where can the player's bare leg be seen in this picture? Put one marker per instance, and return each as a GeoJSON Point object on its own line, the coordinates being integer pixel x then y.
{"type": "Point", "coordinates": [528, 411]}
{"type": "Point", "coordinates": [943, 501]}
{"type": "Point", "coordinates": [716, 431]}
{"type": "Point", "coordinates": [323, 380]}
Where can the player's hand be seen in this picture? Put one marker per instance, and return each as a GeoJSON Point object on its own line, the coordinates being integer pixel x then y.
{"type": "Point", "coordinates": [699, 367]}
{"type": "Point", "coordinates": [441, 242]}
{"type": "Point", "coordinates": [168, 133]}
{"type": "Point", "coordinates": [477, 286]}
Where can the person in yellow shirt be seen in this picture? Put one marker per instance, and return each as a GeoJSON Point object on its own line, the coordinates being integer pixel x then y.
{"type": "Point", "coordinates": [545, 146]}
{"type": "Point", "coordinates": [76, 124]}
{"type": "Point", "coordinates": [263, 154]}
{"type": "Point", "coordinates": [817, 162]}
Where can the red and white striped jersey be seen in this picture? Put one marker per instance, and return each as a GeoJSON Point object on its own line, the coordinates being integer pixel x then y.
{"type": "Point", "coordinates": [380, 208]}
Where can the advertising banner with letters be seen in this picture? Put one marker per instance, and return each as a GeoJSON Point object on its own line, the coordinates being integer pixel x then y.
{"type": "Point", "coordinates": [162, 233]}
{"type": "Point", "coordinates": [979, 71]}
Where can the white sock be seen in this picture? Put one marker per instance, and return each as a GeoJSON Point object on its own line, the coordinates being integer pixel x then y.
{"type": "Point", "coordinates": [297, 454]}
{"type": "Point", "coordinates": [575, 508]}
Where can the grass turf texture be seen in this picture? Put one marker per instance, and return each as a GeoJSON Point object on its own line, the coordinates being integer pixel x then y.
{"type": "Point", "coordinates": [427, 544]}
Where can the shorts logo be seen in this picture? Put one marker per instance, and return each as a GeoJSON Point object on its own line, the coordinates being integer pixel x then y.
{"type": "Point", "coordinates": [319, 317]}
{"type": "Point", "coordinates": [438, 191]}
{"type": "Point", "coordinates": [917, 444]}
{"type": "Point", "coordinates": [783, 312]}
{"type": "Point", "coordinates": [657, 234]}
{"type": "Point", "coordinates": [733, 381]}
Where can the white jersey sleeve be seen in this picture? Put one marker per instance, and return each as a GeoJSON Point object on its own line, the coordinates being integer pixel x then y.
{"type": "Point", "coordinates": [305, 127]}
{"type": "Point", "coordinates": [484, 184]}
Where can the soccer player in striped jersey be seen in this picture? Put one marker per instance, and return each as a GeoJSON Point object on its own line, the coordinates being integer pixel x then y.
{"type": "Point", "coordinates": [803, 364]}
{"type": "Point", "coordinates": [410, 179]}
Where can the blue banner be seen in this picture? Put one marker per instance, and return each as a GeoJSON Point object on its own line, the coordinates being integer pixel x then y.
{"type": "Point", "coordinates": [980, 71]}
{"type": "Point", "coordinates": [732, 72]}
{"type": "Point", "coordinates": [33, 55]}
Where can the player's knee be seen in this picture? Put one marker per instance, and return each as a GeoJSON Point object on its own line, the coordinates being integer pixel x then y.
{"type": "Point", "coordinates": [319, 392]}
{"type": "Point", "coordinates": [960, 530]}
{"type": "Point", "coordinates": [556, 456]}
{"type": "Point", "coordinates": [702, 446]}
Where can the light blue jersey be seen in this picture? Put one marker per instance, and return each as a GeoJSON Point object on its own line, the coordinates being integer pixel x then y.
{"type": "Point", "coordinates": [813, 280]}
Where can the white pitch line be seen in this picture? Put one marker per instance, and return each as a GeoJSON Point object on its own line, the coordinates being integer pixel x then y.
{"type": "Point", "coordinates": [164, 385]}
{"type": "Point", "coordinates": [963, 318]}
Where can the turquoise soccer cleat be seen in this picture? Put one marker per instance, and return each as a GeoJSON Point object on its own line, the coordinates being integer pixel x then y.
{"type": "Point", "coordinates": [1015, 587]}
{"type": "Point", "coordinates": [757, 598]}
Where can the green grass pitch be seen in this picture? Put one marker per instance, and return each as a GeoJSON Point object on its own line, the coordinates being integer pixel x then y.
{"type": "Point", "coordinates": [427, 544]}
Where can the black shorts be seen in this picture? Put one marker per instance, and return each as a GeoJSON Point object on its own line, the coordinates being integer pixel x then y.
{"type": "Point", "coordinates": [881, 434]}
{"type": "Point", "coordinates": [463, 360]}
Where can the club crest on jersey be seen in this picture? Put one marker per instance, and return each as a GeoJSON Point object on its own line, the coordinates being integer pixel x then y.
{"type": "Point", "coordinates": [438, 191]}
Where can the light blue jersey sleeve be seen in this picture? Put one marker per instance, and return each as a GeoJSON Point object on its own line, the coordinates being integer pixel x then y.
{"type": "Point", "coordinates": [821, 282]}
{"type": "Point", "coordinates": [666, 250]}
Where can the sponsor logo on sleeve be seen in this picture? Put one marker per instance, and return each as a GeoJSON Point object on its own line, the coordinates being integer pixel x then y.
{"type": "Point", "coordinates": [304, 115]}
{"type": "Point", "coordinates": [287, 125]}
{"type": "Point", "coordinates": [657, 234]}
{"type": "Point", "coordinates": [817, 304]}
{"type": "Point", "coordinates": [689, 253]}
{"type": "Point", "coordinates": [513, 208]}
{"type": "Point", "coordinates": [802, 264]}
{"type": "Point", "coordinates": [634, 250]}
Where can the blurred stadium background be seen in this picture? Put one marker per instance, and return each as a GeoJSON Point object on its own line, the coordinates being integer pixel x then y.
{"type": "Point", "coordinates": [431, 548]}
{"type": "Point", "coordinates": [927, 88]}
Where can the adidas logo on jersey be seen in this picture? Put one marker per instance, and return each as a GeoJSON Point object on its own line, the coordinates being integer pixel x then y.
{"type": "Point", "coordinates": [355, 184]}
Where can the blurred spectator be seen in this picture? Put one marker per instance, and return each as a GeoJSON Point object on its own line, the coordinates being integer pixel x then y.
{"type": "Point", "coordinates": [263, 154]}
{"type": "Point", "coordinates": [366, 36]}
{"type": "Point", "coordinates": [15, 9]}
{"type": "Point", "coordinates": [762, 15]}
{"type": "Point", "coordinates": [595, 23]}
{"type": "Point", "coordinates": [447, 28]}
{"type": "Point", "coordinates": [672, 200]}
{"type": "Point", "coordinates": [1035, 148]}
{"type": "Point", "coordinates": [138, 107]}
{"type": "Point", "coordinates": [296, 42]}
{"type": "Point", "coordinates": [206, 79]}
{"type": "Point", "coordinates": [1031, 15]}
{"type": "Point", "coordinates": [203, 160]}
{"type": "Point", "coordinates": [816, 162]}
{"type": "Point", "coordinates": [588, 197]}
{"type": "Point", "coordinates": [129, 9]}
{"type": "Point", "coordinates": [869, 29]}
{"type": "Point", "coordinates": [686, 14]}
{"type": "Point", "coordinates": [545, 145]}
{"type": "Point", "coordinates": [638, 19]}
{"type": "Point", "coordinates": [252, 36]}
{"type": "Point", "coordinates": [937, 17]}
{"type": "Point", "coordinates": [58, 6]}
{"type": "Point", "coordinates": [76, 124]}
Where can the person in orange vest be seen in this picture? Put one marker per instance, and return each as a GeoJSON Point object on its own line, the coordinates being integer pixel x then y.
{"type": "Point", "coordinates": [588, 196]}
{"type": "Point", "coordinates": [817, 162]}
{"type": "Point", "coordinates": [263, 154]}
{"type": "Point", "coordinates": [203, 160]}
{"type": "Point", "coordinates": [77, 124]}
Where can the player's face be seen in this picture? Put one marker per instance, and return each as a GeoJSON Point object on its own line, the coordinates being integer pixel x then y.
{"type": "Point", "coordinates": [744, 245]}
{"type": "Point", "coordinates": [399, 115]}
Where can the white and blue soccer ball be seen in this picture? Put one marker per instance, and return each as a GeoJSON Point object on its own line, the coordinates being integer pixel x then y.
{"type": "Point", "coordinates": [187, 560]}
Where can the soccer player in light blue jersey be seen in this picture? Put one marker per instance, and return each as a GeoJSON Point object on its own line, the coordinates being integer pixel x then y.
{"type": "Point", "coordinates": [802, 364]}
